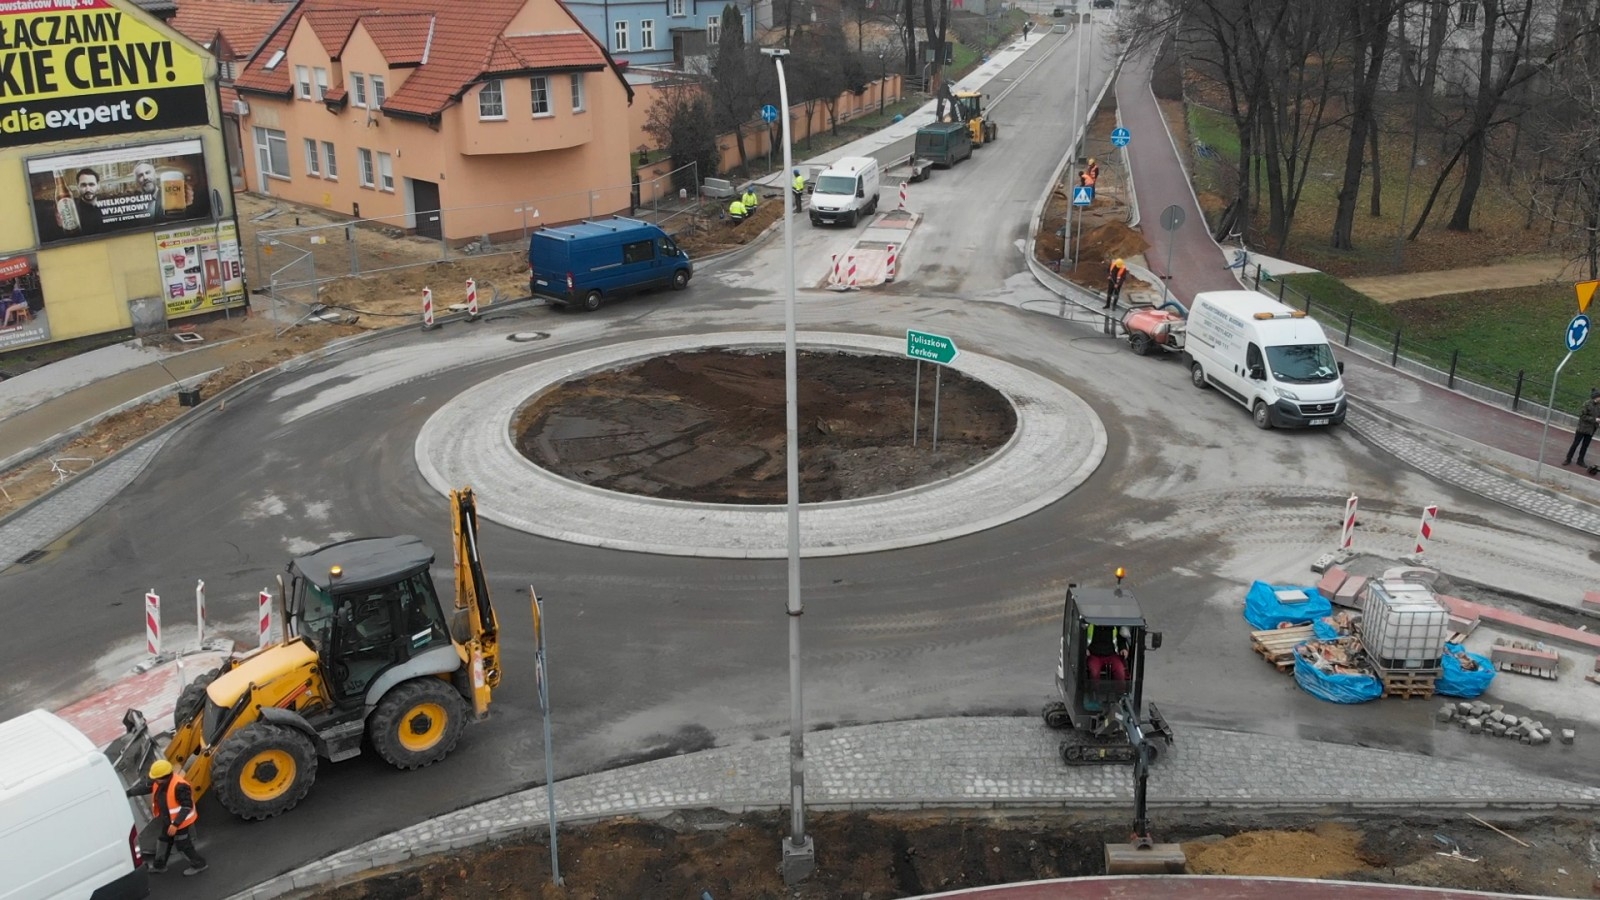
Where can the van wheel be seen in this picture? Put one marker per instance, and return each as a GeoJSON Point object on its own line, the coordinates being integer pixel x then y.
{"type": "Point", "coordinates": [680, 280]}
{"type": "Point", "coordinates": [1261, 415]}
{"type": "Point", "coordinates": [263, 770]}
{"type": "Point", "coordinates": [592, 301]}
{"type": "Point", "coordinates": [1141, 343]}
{"type": "Point", "coordinates": [1197, 376]}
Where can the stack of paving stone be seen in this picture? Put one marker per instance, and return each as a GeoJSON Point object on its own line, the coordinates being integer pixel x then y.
{"type": "Point", "coordinates": [1478, 717]}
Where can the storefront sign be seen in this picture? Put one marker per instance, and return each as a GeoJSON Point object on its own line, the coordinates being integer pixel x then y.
{"type": "Point", "coordinates": [123, 189]}
{"type": "Point", "coordinates": [200, 268]}
{"type": "Point", "coordinates": [22, 314]}
{"type": "Point", "coordinates": [84, 68]}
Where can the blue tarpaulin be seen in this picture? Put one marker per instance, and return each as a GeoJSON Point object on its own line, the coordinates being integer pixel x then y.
{"type": "Point", "coordinates": [1454, 681]}
{"type": "Point", "coordinates": [1335, 688]}
{"type": "Point", "coordinates": [1262, 609]}
{"type": "Point", "coordinates": [1323, 630]}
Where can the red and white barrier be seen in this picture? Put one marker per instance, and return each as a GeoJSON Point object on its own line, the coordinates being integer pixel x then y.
{"type": "Point", "coordinates": [1430, 514]}
{"type": "Point", "coordinates": [152, 623]}
{"type": "Point", "coordinates": [902, 195]}
{"type": "Point", "coordinates": [850, 271]}
{"type": "Point", "coordinates": [427, 308]}
{"type": "Point", "coordinates": [472, 298]}
{"type": "Point", "coordinates": [1348, 532]}
{"type": "Point", "coordinates": [835, 279]}
{"type": "Point", "coordinates": [264, 618]}
{"type": "Point", "coordinates": [889, 265]}
{"type": "Point", "coordinates": [200, 613]}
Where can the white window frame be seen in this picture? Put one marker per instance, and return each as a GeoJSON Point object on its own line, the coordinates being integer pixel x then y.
{"type": "Point", "coordinates": [539, 87]}
{"type": "Point", "coordinates": [385, 172]}
{"type": "Point", "coordinates": [577, 92]}
{"type": "Point", "coordinates": [330, 162]}
{"type": "Point", "coordinates": [619, 36]}
{"type": "Point", "coordinates": [313, 167]}
{"type": "Point", "coordinates": [1469, 14]}
{"type": "Point", "coordinates": [679, 9]}
{"type": "Point", "coordinates": [647, 34]}
{"type": "Point", "coordinates": [379, 92]}
{"type": "Point", "coordinates": [322, 82]}
{"type": "Point", "coordinates": [713, 30]}
{"type": "Point", "coordinates": [270, 138]}
{"type": "Point", "coordinates": [492, 101]}
{"type": "Point", "coordinates": [302, 82]}
{"type": "Point", "coordinates": [358, 89]}
{"type": "Point", "coordinates": [367, 168]}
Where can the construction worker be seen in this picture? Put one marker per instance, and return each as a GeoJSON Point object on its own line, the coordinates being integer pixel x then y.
{"type": "Point", "coordinates": [1115, 275]}
{"type": "Point", "coordinates": [737, 210]}
{"type": "Point", "coordinates": [172, 806]}
{"type": "Point", "coordinates": [750, 199]}
{"type": "Point", "coordinates": [1093, 171]}
{"type": "Point", "coordinates": [799, 188]}
{"type": "Point", "coordinates": [1107, 650]}
{"type": "Point", "coordinates": [1083, 179]}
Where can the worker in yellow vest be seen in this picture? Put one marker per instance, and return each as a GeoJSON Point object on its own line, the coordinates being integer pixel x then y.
{"type": "Point", "coordinates": [799, 188]}
{"type": "Point", "coordinates": [737, 211]}
{"type": "Point", "coordinates": [750, 199]}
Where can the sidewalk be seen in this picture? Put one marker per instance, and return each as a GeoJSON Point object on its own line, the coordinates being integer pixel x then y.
{"type": "Point", "coordinates": [1412, 285]}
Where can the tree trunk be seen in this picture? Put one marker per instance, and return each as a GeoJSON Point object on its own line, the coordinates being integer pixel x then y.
{"type": "Point", "coordinates": [1369, 20]}
{"type": "Point", "coordinates": [1433, 195]}
{"type": "Point", "coordinates": [1438, 24]}
{"type": "Point", "coordinates": [1482, 109]}
{"type": "Point", "coordinates": [1377, 171]}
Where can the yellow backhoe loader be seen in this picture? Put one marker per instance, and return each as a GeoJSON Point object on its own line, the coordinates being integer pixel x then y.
{"type": "Point", "coordinates": [968, 108]}
{"type": "Point", "coordinates": [369, 655]}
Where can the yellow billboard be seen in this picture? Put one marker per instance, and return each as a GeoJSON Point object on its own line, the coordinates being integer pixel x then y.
{"type": "Point", "coordinates": [86, 68]}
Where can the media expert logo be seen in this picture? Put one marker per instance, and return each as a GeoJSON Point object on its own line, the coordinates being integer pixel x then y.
{"type": "Point", "coordinates": [81, 117]}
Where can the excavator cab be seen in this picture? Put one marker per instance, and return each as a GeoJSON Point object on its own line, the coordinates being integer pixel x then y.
{"type": "Point", "coordinates": [969, 108]}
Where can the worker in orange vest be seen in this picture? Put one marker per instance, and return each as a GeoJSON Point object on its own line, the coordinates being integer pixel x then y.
{"type": "Point", "coordinates": [1093, 171]}
{"type": "Point", "coordinates": [1115, 275]}
{"type": "Point", "coordinates": [172, 805]}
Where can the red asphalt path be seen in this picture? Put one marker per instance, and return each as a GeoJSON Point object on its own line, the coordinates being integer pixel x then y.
{"type": "Point", "coordinates": [1209, 887]}
{"type": "Point", "coordinates": [1197, 265]}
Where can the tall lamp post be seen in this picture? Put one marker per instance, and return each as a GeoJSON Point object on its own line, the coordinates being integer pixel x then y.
{"type": "Point", "coordinates": [799, 855]}
{"type": "Point", "coordinates": [883, 81]}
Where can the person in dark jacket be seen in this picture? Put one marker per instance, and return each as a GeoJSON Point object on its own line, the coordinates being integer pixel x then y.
{"type": "Point", "coordinates": [1588, 417]}
{"type": "Point", "coordinates": [172, 806]}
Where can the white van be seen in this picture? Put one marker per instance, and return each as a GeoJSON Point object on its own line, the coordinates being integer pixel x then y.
{"type": "Point", "coordinates": [846, 191]}
{"type": "Point", "coordinates": [1274, 360]}
{"type": "Point", "coordinates": [66, 827]}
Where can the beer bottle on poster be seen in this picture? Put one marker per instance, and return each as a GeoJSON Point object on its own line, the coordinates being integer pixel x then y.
{"type": "Point", "coordinates": [66, 207]}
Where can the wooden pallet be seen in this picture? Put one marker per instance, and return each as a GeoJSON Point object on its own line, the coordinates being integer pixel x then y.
{"type": "Point", "coordinates": [1276, 645]}
{"type": "Point", "coordinates": [1407, 684]}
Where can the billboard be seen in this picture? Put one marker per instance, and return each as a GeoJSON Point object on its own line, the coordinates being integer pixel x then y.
{"type": "Point", "coordinates": [22, 315]}
{"type": "Point", "coordinates": [84, 68]}
{"type": "Point", "coordinates": [101, 192]}
{"type": "Point", "coordinates": [200, 268]}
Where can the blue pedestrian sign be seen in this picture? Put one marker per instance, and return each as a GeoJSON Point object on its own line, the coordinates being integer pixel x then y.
{"type": "Point", "coordinates": [1577, 332]}
{"type": "Point", "coordinates": [1120, 137]}
{"type": "Point", "coordinates": [1082, 195]}
{"type": "Point", "coordinates": [769, 113]}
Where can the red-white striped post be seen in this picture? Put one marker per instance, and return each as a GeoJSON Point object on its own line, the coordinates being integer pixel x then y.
{"type": "Point", "coordinates": [850, 269]}
{"type": "Point", "coordinates": [264, 618]}
{"type": "Point", "coordinates": [836, 279]}
{"type": "Point", "coordinates": [1348, 532]}
{"type": "Point", "coordinates": [472, 298]}
{"type": "Point", "coordinates": [152, 622]}
{"type": "Point", "coordinates": [902, 195]}
{"type": "Point", "coordinates": [427, 308]}
{"type": "Point", "coordinates": [889, 265]}
{"type": "Point", "coordinates": [200, 614]}
{"type": "Point", "coordinates": [1430, 514]}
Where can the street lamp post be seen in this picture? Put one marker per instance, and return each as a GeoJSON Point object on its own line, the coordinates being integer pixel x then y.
{"type": "Point", "coordinates": [883, 81]}
{"type": "Point", "coordinates": [799, 855]}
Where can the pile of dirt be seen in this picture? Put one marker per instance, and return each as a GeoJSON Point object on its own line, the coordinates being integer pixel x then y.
{"type": "Point", "coordinates": [1327, 850]}
{"type": "Point", "coordinates": [709, 234]}
{"type": "Point", "coordinates": [710, 426]}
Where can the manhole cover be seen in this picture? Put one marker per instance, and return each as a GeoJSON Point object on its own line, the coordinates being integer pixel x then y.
{"type": "Point", "coordinates": [523, 337]}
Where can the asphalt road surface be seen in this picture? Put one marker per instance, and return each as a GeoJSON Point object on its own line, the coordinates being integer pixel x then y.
{"type": "Point", "coordinates": [655, 655]}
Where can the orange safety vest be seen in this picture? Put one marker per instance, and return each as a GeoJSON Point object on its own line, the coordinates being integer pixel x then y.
{"type": "Point", "coordinates": [173, 807]}
{"type": "Point", "coordinates": [1117, 272]}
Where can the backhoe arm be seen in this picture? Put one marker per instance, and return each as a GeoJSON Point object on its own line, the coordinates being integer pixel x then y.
{"type": "Point", "coordinates": [482, 643]}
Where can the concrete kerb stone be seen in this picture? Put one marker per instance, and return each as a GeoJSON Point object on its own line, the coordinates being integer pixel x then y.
{"type": "Point", "coordinates": [59, 440]}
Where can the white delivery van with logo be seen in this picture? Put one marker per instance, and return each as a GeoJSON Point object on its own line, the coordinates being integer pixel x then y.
{"type": "Point", "coordinates": [846, 191]}
{"type": "Point", "coordinates": [66, 829]}
{"type": "Point", "coordinates": [1274, 360]}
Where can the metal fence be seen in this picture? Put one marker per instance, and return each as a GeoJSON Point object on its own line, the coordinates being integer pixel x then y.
{"type": "Point", "coordinates": [1519, 390]}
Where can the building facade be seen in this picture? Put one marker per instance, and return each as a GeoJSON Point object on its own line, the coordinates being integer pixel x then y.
{"type": "Point", "coordinates": [666, 34]}
{"type": "Point", "coordinates": [439, 119]}
{"type": "Point", "coordinates": [231, 30]}
{"type": "Point", "coordinates": [114, 170]}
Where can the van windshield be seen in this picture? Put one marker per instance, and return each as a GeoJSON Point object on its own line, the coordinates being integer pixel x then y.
{"type": "Point", "coordinates": [836, 184]}
{"type": "Point", "coordinates": [1302, 363]}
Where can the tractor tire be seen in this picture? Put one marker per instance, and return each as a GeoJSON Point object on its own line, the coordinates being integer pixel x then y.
{"type": "Point", "coordinates": [263, 770]}
{"type": "Point", "coordinates": [192, 699]}
{"type": "Point", "coordinates": [417, 723]}
{"type": "Point", "coordinates": [592, 301]}
{"type": "Point", "coordinates": [1141, 343]}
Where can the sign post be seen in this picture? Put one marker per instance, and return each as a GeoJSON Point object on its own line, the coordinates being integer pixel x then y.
{"type": "Point", "coordinates": [1171, 220]}
{"type": "Point", "coordinates": [935, 348]}
{"type": "Point", "coordinates": [769, 114]}
{"type": "Point", "coordinates": [1576, 334]}
{"type": "Point", "coordinates": [541, 677]}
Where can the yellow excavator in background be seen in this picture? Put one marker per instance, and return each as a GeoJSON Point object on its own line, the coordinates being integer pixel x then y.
{"type": "Point", "coordinates": [368, 654]}
{"type": "Point", "coordinates": [968, 108]}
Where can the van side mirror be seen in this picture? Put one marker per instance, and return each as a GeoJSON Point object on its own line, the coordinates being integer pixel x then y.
{"type": "Point", "coordinates": [1341, 368]}
{"type": "Point", "coordinates": [1257, 373]}
{"type": "Point", "coordinates": [1155, 639]}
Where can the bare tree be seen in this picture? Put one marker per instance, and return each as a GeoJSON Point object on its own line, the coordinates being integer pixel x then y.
{"type": "Point", "coordinates": [1567, 194]}
{"type": "Point", "coordinates": [681, 121]}
{"type": "Point", "coordinates": [1367, 24]}
{"type": "Point", "coordinates": [737, 79]}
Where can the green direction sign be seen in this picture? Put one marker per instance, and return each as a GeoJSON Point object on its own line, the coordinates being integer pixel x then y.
{"type": "Point", "coordinates": [932, 347]}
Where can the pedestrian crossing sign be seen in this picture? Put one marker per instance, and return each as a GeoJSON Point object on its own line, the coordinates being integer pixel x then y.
{"type": "Point", "coordinates": [1083, 195]}
{"type": "Point", "coordinates": [1585, 293]}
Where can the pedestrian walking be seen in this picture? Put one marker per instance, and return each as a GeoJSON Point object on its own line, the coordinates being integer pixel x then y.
{"type": "Point", "coordinates": [1116, 273]}
{"type": "Point", "coordinates": [172, 806]}
{"type": "Point", "coordinates": [1588, 417]}
{"type": "Point", "coordinates": [799, 188]}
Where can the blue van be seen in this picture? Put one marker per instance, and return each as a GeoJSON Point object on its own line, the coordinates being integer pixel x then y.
{"type": "Point", "coordinates": [591, 261]}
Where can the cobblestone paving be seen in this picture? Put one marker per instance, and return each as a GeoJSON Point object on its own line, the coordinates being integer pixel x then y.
{"type": "Point", "coordinates": [43, 521]}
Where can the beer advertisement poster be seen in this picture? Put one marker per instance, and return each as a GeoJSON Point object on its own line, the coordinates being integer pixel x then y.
{"type": "Point", "coordinates": [22, 314]}
{"type": "Point", "coordinates": [200, 268]}
{"type": "Point", "coordinates": [105, 192]}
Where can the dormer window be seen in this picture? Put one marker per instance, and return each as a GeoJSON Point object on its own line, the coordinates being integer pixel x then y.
{"type": "Point", "coordinates": [277, 57]}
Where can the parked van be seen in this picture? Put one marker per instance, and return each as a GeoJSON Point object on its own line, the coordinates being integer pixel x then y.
{"type": "Point", "coordinates": [1274, 360]}
{"type": "Point", "coordinates": [66, 829]}
{"type": "Point", "coordinates": [596, 260]}
{"type": "Point", "coordinates": [945, 143]}
{"type": "Point", "coordinates": [846, 191]}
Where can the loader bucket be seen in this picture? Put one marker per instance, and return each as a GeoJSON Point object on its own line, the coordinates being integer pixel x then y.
{"type": "Point", "coordinates": [133, 752]}
{"type": "Point", "coordinates": [1145, 858]}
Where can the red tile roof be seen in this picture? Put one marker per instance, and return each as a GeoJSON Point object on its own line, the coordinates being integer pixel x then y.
{"type": "Point", "coordinates": [402, 38]}
{"type": "Point", "coordinates": [468, 43]}
{"type": "Point", "coordinates": [242, 23]}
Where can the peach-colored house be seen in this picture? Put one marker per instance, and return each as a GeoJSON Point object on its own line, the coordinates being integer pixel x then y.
{"type": "Point", "coordinates": [440, 118]}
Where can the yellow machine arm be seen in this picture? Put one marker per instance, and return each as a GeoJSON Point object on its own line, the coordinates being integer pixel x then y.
{"type": "Point", "coordinates": [480, 646]}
